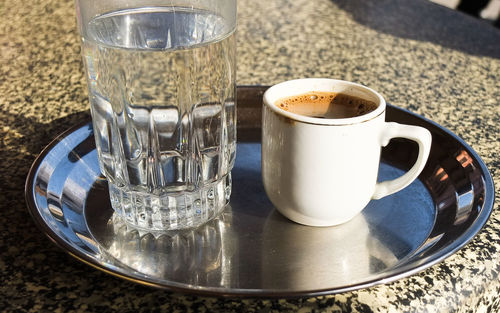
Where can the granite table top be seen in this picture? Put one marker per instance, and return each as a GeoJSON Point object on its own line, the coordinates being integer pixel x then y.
{"type": "Point", "coordinates": [433, 61]}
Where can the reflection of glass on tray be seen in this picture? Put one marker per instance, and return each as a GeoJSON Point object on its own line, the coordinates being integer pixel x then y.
{"type": "Point", "coordinates": [195, 256]}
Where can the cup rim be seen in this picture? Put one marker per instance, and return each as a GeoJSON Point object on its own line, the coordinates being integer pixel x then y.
{"type": "Point", "coordinates": [303, 85]}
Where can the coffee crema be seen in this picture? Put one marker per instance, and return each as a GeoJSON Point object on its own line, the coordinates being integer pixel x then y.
{"type": "Point", "coordinates": [329, 105]}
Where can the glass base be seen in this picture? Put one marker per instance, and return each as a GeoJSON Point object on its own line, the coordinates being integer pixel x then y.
{"type": "Point", "coordinates": [150, 213]}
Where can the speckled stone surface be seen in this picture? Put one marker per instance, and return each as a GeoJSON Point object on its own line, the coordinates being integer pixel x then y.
{"type": "Point", "coordinates": [434, 61]}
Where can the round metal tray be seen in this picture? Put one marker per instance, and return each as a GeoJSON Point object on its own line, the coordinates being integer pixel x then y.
{"type": "Point", "coordinates": [251, 250]}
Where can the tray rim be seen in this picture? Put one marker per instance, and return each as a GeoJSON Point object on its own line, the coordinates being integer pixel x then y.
{"type": "Point", "coordinates": [399, 272]}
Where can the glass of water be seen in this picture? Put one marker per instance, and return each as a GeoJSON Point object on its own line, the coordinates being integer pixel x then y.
{"type": "Point", "coordinates": [161, 79]}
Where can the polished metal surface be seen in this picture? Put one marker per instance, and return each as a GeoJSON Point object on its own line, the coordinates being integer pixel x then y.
{"type": "Point", "coordinates": [251, 250]}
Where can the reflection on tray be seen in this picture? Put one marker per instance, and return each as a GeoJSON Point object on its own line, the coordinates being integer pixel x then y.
{"type": "Point", "coordinates": [311, 256]}
{"type": "Point", "coordinates": [196, 256]}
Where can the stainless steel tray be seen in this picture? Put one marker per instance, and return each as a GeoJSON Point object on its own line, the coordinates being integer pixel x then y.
{"type": "Point", "coordinates": [251, 250]}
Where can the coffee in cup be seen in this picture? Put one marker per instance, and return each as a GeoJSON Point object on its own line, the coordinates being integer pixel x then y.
{"type": "Point", "coordinates": [326, 105]}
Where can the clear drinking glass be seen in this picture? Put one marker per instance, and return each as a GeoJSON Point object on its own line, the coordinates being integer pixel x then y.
{"type": "Point", "coordinates": [161, 79]}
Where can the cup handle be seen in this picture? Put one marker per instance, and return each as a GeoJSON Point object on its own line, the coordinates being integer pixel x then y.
{"type": "Point", "coordinates": [418, 134]}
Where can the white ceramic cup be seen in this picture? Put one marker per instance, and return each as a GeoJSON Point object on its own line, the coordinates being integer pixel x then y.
{"type": "Point", "coordinates": [323, 172]}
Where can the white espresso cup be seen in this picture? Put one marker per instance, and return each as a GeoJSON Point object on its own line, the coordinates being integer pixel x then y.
{"type": "Point", "coordinates": [323, 171]}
